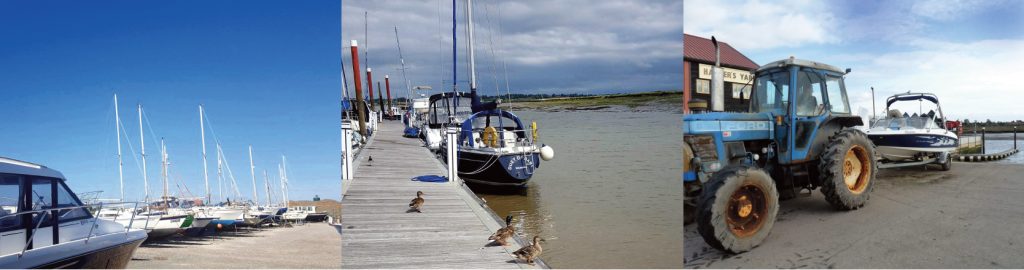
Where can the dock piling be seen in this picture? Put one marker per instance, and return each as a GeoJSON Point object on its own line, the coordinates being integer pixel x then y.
{"type": "Point", "coordinates": [346, 150]}
{"type": "Point", "coordinates": [453, 159]}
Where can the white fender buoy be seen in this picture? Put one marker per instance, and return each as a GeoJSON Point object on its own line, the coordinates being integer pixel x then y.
{"type": "Point", "coordinates": [547, 153]}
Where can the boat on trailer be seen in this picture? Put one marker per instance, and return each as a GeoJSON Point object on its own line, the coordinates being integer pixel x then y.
{"type": "Point", "coordinates": [56, 230]}
{"type": "Point", "coordinates": [900, 137]}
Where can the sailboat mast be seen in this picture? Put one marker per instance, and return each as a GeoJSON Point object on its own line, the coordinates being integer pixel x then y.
{"type": "Point", "coordinates": [280, 181]}
{"type": "Point", "coordinates": [202, 132]}
{"type": "Point", "coordinates": [266, 183]}
{"type": "Point", "coordinates": [163, 157]}
{"type": "Point", "coordinates": [408, 88]}
{"type": "Point", "coordinates": [252, 171]}
{"type": "Point", "coordinates": [472, 53]}
{"type": "Point", "coordinates": [220, 176]}
{"type": "Point", "coordinates": [120, 165]}
{"type": "Point", "coordinates": [142, 142]}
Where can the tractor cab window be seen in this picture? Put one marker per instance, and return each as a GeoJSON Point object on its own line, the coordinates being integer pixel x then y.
{"type": "Point", "coordinates": [837, 95]}
{"type": "Point", "coordinates": [770, 92]}
{"type": "Point", "coordinates": [809, 101]}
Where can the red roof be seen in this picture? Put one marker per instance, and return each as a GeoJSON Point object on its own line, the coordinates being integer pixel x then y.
{"type": "Point", "coordinates": [700, 49]}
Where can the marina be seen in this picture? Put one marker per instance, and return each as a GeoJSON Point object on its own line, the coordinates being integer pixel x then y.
{"type": "Point", "coordinates": [451, 232]}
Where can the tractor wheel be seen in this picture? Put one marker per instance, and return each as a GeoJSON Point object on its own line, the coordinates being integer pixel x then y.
{"type": "Point", "coordinates": [737, 208]}
{"type": "Point", "coordinates": [847, 168]}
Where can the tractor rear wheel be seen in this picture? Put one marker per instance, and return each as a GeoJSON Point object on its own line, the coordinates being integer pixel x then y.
{"type": "Point", "coordinates": [737, 208]}
{"type": "Point", "coordinates": [847, 169]}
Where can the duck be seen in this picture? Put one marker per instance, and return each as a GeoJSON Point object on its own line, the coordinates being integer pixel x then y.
{"type": "Point", "coordinates": [416, 203]}
{"type": "Point", "coordinates": [503, 234]}
{"type": "Point", "coordinates": [528, 253]}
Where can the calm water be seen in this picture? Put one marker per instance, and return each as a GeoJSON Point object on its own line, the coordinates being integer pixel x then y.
{"type": "Point", "coordinates": [995, 143]}
{"type": "Point", "coordinates": [612, 197]}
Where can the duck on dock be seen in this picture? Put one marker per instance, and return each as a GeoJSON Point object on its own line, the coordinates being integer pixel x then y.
{"type": "Point", "coordinates": [528, 253]}
{"type": "Point", "coordinates": [503, 234]}
{"type": "Point", "coordinates": [416, 203]}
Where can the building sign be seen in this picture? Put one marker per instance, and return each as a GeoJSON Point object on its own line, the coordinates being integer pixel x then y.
{"type": "Point", "coordinates": [729, 74]}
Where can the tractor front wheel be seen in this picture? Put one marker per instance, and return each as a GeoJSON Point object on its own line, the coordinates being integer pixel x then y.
{"type": "Point", "coordinates": [737, 208]}
{"type": "Point", "coordinates": [847, 168]}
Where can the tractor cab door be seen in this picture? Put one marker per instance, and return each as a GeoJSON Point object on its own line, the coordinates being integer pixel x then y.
{"type": "Point", "coordinates": [809, 110]}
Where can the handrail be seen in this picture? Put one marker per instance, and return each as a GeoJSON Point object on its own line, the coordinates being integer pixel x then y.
{"type": "Point", "coordinates": [48, 211]}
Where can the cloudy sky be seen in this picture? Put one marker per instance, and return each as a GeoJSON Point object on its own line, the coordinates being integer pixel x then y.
{"type": "Point", "coordinates": [966, 52]}
{"type": "Point", "coordinates": [570, 46]}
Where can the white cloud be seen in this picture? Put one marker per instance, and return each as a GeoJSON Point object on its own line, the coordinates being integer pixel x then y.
{"type": "Point", "coordinates": [756, 25]}
{"type": "Point", "coordinates": [975, 80]}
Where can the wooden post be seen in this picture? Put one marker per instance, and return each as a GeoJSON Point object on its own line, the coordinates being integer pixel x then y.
{"type": "Point", "coordinates": [369, 83]}
{"type": "Point", "coordinates": [359, 88]}
{"type": "Point", "coordinates": [1014, 137]}
{"type": "Point", "coordinates": [982, 140]}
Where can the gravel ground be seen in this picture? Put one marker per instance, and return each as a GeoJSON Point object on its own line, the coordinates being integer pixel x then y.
{"type": "Point", "coordinates": [969, 217]}
{"type": "Point", "coordinates": [315, 245]}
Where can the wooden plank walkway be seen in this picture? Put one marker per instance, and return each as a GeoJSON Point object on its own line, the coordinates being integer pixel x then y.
{"type": "Point", "coordinates": [451, 232]}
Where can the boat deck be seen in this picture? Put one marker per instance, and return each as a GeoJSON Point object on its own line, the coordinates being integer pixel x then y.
{"type": "Point", "coordinates": [451, 231]}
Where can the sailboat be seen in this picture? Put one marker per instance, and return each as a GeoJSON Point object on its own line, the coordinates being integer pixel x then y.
{"type": "Point", "coordinates": [495, 148]}
{"type": "Point", "coordinates": [157, 223]}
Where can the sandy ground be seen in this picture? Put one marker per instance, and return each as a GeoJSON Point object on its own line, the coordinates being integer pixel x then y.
{"type": "Point", "coordinates": [970, 217]}
{"type": "Point", "coordinates": [315, 245]}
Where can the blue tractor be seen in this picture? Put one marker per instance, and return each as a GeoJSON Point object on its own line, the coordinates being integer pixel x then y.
{"type": "Point", "coordinates": [798, 133]}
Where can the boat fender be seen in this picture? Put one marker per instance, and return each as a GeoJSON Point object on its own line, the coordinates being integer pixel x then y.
{"type": "Point", "coordinates": [533, 128]}
{"type": "Point", "coordinates": [547, 153]}
{"type": "Point", "coordinates": [490, 136]}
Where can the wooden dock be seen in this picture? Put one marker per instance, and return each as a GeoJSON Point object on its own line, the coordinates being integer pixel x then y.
{"type": "Point", "coordinates": [451, 232]}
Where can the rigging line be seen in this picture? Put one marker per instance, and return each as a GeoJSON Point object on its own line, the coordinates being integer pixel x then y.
{"type": "Point", "coordinates": [131, 148]}
{"type": "Point", "coordinates": [504, 54]}
{"type": "Point", "coordinates": [230, 174]}
{"type": "Point", "coordinates": [490, 38]}
{"type": "Point", "coordinates": [440, 42]}
{"type": "Point", "coordinates": [145, 116]}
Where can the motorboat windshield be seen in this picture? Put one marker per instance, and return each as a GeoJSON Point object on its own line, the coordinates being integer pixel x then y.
{"type": "Point", "coordinates": [445, 105]}
{"type": "Point", "coordinates": [903, 123]}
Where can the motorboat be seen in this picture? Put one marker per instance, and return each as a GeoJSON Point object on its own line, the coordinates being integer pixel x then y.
{"type": "Point", "coordinates": [448, 109]}
{"type": "Point", "coordinates": [44, 225]}
{"type": "Point", "coordinates": [900, 137]}
{"type": "Point", "coordinates": [415, 116]}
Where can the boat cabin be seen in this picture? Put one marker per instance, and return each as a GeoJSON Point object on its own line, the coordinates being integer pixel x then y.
{"type": "Point", "coordinates": [33, 199]}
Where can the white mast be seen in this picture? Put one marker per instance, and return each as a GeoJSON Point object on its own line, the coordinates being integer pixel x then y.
{"type": "Point", "coordinates": [163, 156]}
{"type": "Point", "coordinates": [252, 171]}
{"type": "Point", "coordinates": [220, 176]}
{"type": "Point", "coordinates": [202, 131]}
{"type": "Point", "coordinates": [117, 126]}
{"type": "Point", "coordinates": [280, 180]}
{"type": "Point", "coordinates": [472, 53]}
{"type": "Point", "coordinates": [142, 141]}
{"type": "Point", "coordinates": [266, 183]}
{"type": "Point", "coordinates": [408, 89]}
{"type": "Point", "coordinates": [284, 175]}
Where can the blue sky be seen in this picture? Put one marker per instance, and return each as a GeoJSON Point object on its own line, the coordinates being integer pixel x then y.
{"type": "Point", "coordinates": [267, 72]}
{"type": "Point", "coordinates": [965, 51]}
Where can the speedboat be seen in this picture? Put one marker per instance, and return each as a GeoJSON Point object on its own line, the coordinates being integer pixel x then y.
{"type": "Point", "coordinates": [44, 225]}
{"type": "Point", "coordinates": [414, 117]}
{"type": "Point", "coordinates": [900, 137]}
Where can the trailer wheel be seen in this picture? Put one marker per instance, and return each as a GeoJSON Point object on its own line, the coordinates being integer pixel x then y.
{"type": "Point", "coordinates": [847, 168]}
{"type": "Point", "coordinates": [737, 208]}
{"type": "Point", "coordinates": [948, 165]}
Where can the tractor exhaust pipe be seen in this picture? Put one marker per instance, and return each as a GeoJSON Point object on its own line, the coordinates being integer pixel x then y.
{"type": "Point", "coordinates": [717, 81]}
